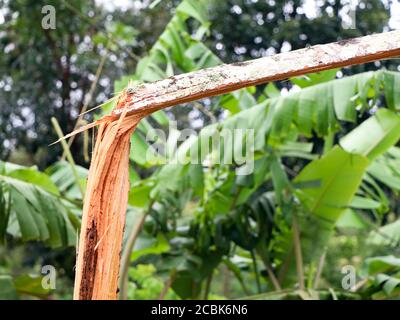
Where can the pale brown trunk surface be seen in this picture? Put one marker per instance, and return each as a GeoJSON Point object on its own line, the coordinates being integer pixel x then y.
{"type": "Point", "coordinates": [103, 217]}
{"type": "Point", "coordinates": [150, 97]}
{"type": "Point", "coordinates": [105, 204]}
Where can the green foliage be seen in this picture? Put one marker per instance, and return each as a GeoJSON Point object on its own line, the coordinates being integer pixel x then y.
{"type": "Point", "coordinates": [8, 291]}
{"type": "Point", "coordinates": [146, 285]}
{"type": "Point", "coordinates": [33, 210]}
{"type": "Point", "coordinates": [385, 169]}
{"type": "Point", "coordinates": [63, 178]}
{"type": "Point", "coordinates": [326, 187]}
{"type": "Point", "coordinates": [386, 235]}
{"type": "Point", "coordinates": [383, 275]}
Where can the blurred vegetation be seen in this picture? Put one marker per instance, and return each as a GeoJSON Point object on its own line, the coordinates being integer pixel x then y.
{"type": "Point", "coordinates": [326, 158]}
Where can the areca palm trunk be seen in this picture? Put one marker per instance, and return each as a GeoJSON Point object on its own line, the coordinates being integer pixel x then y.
{"type": "Point", "coordinates": [105, 203]}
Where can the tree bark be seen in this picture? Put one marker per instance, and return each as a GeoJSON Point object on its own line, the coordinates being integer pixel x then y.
{"type": "Point", "coordinates": [103, 216]}
{"type": "Point", "coordinates": [208, 82]}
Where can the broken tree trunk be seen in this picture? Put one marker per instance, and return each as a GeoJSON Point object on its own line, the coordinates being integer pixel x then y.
{"type": "Point", "coordinates": [105, 204]}
{"type": "Point", "coordinates": [191, 86]}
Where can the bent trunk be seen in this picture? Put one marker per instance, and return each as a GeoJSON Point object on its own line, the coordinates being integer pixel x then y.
{"type": "Point", "coordinates": [106, 198]}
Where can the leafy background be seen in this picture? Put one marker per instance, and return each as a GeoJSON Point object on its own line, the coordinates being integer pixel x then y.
{"type": "Point", "coordinates": [325, 188]}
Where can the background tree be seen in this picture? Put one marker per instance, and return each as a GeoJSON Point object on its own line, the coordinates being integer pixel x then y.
{"type": "Point", "coordinates": [49, 72]}
{"type": "Point", "coordinates": [251, 29]}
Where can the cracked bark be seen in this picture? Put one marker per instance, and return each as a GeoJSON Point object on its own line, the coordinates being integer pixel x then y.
{"type": "Point", "coordinates": [154, 96]}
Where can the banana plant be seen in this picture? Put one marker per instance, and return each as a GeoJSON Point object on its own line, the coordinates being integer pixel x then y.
{"type": "Point", "coordinates": [327, 186]}
{"type": "Point", "coordinates": [33, 208]}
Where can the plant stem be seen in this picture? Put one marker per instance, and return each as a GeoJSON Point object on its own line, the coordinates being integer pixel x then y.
{"type": "Point", "coordinates": [319, 270]}
{"type": "Point", "coordinates": [253, 257]}
{"type": "Point", "coordinates": [226, 282]}
{"type": "Point", "coordinates": [167, 285]}
{"type": "Point", "coordinates": [238, 277]}
{"type": "Point", "coordinates": [68, 154]}
{"type": "Point", "coordinates": [208, 285]}
{"type": "Point", "coordinates": [126, 258]}
{"type": "Point", "coordinates": [333, 294]}
{"type": "Point", "coordinates": [86, 146]}
{"type": "Point", "coordinates": [205, 111]}
{"type": "Point", "coordinates": [359, 285]}
{"type": "Point", "coordinates": [328, 142]}
{"type": "Point", "coordinates": [297, 251]}
{"type": "Point", "coordinates": [271, 274]}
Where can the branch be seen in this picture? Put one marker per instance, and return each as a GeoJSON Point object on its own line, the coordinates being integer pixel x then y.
{"type": "Point", "coordinates": [126, 257]}
{"type": "Point", "coordinates": [297, 252]}
{"type": "Point", "coordinates": [319, 269]}
{"type": "Point", "coordinates": [214, 81]}
{"type": "Point", "coordinates": [167, 285]}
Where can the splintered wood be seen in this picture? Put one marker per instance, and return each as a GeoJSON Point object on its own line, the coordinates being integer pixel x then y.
{"type": "Point", "coordinates": [103, 217]}
{"type": "Point", "coordinates": [105, 204]}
